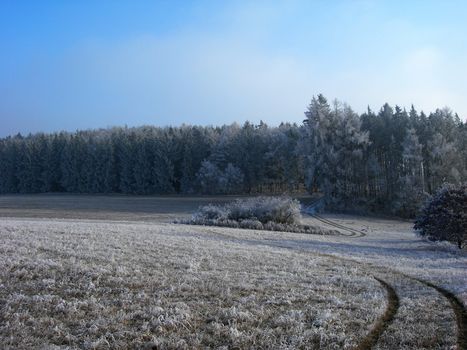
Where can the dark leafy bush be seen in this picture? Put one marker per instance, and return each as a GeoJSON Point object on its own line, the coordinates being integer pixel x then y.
{"type": "Point", "coordinates": [444, 216]}
{"type": "Point", "coordinates": [259, 213]}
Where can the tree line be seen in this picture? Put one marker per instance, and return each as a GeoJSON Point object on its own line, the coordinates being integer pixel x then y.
{"type": "Point", "coordinates": [152, 160]}
{"type": "Point", "coordinates": [387, 160]}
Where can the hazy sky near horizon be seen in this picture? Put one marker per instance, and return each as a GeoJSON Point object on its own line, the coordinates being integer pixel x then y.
{"type": "Point", "coordinates": [68, 65]}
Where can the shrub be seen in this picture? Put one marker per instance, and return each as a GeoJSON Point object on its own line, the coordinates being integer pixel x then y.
{"type": "Point", "coordinates": [283, 210]}
{"type": "Point", "coordinates": [259, 213]}
{"type": "Point", "coordinates": [211, 212]}
{"type": "Point", "coordinates": [251, 224]}
{"type": "Point", "coordinates": [444, 216]}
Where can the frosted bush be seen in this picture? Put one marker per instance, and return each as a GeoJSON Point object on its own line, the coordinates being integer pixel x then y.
{"type": "Point", "coordinates": [251, 223]}
{"type": "Point", "coordinates": [211, 212]}
{"type": "Point", "coordinates": [284, 210]}
{"type": "Point", "coordinates": [259, 213]}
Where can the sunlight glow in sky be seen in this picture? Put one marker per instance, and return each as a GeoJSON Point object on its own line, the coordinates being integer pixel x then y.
{"type": "Point", "coordinates": [68, 65]}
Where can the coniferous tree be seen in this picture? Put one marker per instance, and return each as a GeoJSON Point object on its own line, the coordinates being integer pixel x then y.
{"type": "Point", "coordinates": [313, 145]}
{"type": "Point", "coordinates": [411, 194]}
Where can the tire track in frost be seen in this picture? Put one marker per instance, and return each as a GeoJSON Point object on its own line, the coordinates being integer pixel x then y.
{"type": "Point", "coordinates": [370, 340]}
{"type": "Point", "coordinates": [457, 306]}
{"type": "Point", "coordinates": [353, 232]}
{"type": "Point", "coordinates": [310, 210]}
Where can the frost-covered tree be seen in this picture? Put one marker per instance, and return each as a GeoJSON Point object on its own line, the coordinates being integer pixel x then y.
{"type": "Point", "coordinates": [52, 168]}
{"type": "Point", "coordinates": [196, 145]}
{"type": "Point", "coordinates": [444, 216]}
{"type": "Point", "coordinates": [444, 158]}
{"type": "Point", "coordinates": [9, 155]}
{"type": "Point", "coordinates": [333, 147]}
{"type": "Point", "coordinates": [126, 160]}
{"type": "Point", "coordinates": [231, 180]}
{"type": "Point", "coordinates": [349, 145]}
{"type": "Point", "coordinates": [314, 146]}
{"type": "Point", "coordinates": [283, 162]}
{"type": "Point", "coordinates": [208, 177]}
{"type": "Point", "coordinates": [251, 144]}
{"type": "Point", "coordinates": [100, 172]}
{"type": "Point", "coordinates": [213, 180]}
{"type": "Point", "coordinates": [163, 170]}
{"type": "Point", "coordinates": [410, 194]}
{"type": "Point", "coordinates": [144, 161]}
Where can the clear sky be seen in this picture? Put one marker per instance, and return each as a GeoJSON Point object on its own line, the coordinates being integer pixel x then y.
{"type": "Point", "coordinates": [67, 65]}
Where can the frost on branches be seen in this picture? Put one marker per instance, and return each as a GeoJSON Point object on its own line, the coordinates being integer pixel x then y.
{"type": "Point", "coordinates": [444, 216]}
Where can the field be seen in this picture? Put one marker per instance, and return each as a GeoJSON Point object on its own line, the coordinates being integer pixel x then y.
{"type": "Point", "coordinates": [107, 272]}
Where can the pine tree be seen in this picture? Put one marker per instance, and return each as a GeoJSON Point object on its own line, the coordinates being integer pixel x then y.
{"type": "Point", "coordinates": [411, 195]}
{"type": "Point", "coordinates": [208, 177]}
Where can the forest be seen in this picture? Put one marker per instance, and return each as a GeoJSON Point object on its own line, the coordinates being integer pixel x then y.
{"type": "Point", "coordinates": [385, 161]}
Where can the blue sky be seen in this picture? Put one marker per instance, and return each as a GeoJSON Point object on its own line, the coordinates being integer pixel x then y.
{"type": "Point", "coordinates": [68, 65]}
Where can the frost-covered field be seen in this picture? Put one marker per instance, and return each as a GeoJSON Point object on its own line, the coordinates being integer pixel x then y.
{"type": "Point", "coordinates": [110, 285]}
{"type": "Point", "coordinates": [106, 284]}
{"type": "Point", "coordinates": [392, 244]}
